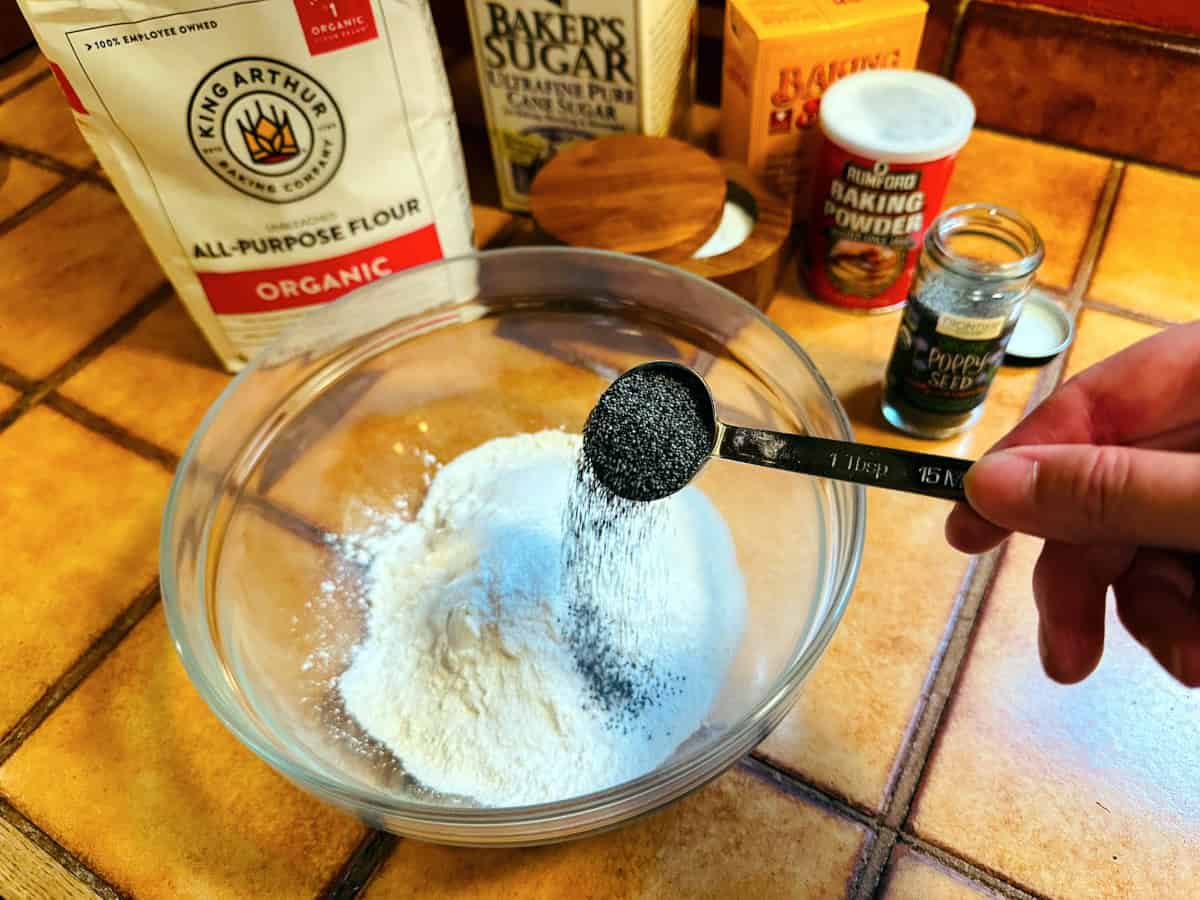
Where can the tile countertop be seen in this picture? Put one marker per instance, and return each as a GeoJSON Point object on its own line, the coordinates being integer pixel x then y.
{"type": "Point", "coordinates": [927, 757]}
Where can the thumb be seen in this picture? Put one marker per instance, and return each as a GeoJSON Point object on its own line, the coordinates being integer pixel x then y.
{"type": "Point", "coordinates": [1079, 493]}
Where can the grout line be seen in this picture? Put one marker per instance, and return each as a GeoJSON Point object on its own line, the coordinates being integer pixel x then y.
{"type": "Point", "coordinates": [128, 320]}
{"type": "Point", "coordinates": [1100, 152]}
{"type": "Point", "coordinates": [87, 663]}
{"type": "Point", "coordinates": [57, 852]}
{"type": "Point", "coordinates": [119, 435]}
{"type": "Point", "coordinates": [92, 174]}
{"type": "Point", "coordinates": [872, 865]}
{"type": "Point", "coordinates": [38, 391]}
{"type": "Point", "coordinates": [1132, 314]}
{"type": "Point", "coordinates": [790, 783]}
{"type": "Point", "coordinates": [371, 853]}
{"type": "Point", "coordinates": [954, 41]}
{"type": "Point", "coordinates": [39, 159]}
{"type": "Point", "coordinates": [35, 206]}
{"type": "Point", "coordinates": [946, 668]}
{"type": "Point", "coordinates": [14, 379]}
{"type": "Point", "coordinates": [1002, 885]}
{"type": "Point", "coordinates": [866, 851]}
{"type": "Point", "coordinates": [127, 440]}
{"type": "Point", "coordinates": [1052, 373]}
{"type": "Point", "coordinates": [943, 675]}
{"type": "Point", "coordinates": [22, 87]}
{"type": "Point", "coordinates": [916, 748]}
{"type": "Point", "coordinates": [1097, 234]}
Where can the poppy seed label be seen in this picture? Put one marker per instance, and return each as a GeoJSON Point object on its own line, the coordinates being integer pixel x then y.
{"type": "Point", "coordinates": [267, 129]}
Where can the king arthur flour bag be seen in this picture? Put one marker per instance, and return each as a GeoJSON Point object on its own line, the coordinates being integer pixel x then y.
{"type": "Point", "coordinates": [275, 153]}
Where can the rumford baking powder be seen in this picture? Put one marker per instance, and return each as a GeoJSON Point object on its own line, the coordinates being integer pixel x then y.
{"type": "Point", "coordinates": [890, 139]}
{"type": "Point", "coordinates": [553, 72]}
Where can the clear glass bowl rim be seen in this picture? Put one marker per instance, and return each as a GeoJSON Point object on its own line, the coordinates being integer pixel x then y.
{"type": "Point", "coordinates": [636, 797]}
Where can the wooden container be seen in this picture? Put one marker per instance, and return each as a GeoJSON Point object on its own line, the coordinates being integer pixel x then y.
{"type": "Point", "coordinates": [663, 199]}
{"type": "Point", "coordinates": [655, 197]}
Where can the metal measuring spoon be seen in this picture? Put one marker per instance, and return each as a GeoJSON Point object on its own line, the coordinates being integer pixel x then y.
{"type": "Point", "coordinates": [656, 426]}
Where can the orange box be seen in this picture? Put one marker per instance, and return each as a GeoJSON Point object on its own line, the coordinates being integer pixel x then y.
{"type": "Point", "coordinates": [781, 55]}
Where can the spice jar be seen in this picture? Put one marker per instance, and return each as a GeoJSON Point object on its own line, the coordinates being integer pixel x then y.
{"type": "Point", "coordinates": [890, 140]}
{"type": "Point", "coordinates": [977, 265]}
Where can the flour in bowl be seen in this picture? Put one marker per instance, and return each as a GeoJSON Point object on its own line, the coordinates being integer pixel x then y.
{"type": "Point", "coordinates": [468, 671]}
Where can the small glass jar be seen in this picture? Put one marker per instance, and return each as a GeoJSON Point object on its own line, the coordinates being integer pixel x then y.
{"type": "Point", "coordinates": [977, 265]}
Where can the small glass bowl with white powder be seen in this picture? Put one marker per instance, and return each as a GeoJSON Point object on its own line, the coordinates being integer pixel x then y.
{"type": "Point", "coordinates": [373, 576]}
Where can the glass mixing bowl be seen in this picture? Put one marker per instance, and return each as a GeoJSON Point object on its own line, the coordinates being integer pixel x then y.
{"type": "Point", "coordinates": [345, 414]}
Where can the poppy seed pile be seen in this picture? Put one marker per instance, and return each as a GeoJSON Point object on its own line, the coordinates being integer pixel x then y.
{"type": "Point", "coordinates": [648, 435]}
{"type": "Point", "coordinates": [645, 439]}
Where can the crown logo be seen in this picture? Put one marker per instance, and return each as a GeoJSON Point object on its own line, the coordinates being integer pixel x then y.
{"type": "Point", "coordinates": [269, 138]}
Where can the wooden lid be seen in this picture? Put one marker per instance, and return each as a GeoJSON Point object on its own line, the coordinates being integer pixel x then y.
{"type": "Point", "coordinates": [653, 196]}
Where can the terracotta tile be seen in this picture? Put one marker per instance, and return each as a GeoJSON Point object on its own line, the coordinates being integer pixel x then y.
{"type": "Point", "coordinates": [21, 183]}
{"type": "Point", "coordinates": [1082, 792]}
{"type": "Point", "coordinates": [1148, 256]}
{"type": "Point", "coordinates": [996, 168]}
{"type": "Point", "coordinates": [26, 871]}
{"type": "Point", "coordinates": [738, 837]}
{"type": "Point", "coordinates": [1086, 791]}
{"type": "Point", "coordinates": [1100, 335]}
{"type": "Point", "coordinates": [1114, 89]}
{"type": "Point", "coordinates": [935, 41]}
{"type": "Point", "coordinates": [39, 119]}
{"type": "Point", "coordinates": [1175, 15]}
{"type": "Point", "coordinates": [80, 540]}
{"type": "Point", "coordinates": [853, 711]}
{"type": "Point", "coordinates": [914, 876]}
{"type": "Point", "coordinates": [134, 774]}
{"type": "Point", "coordinates": [66, 275]}
{"type": "Point", "coordinates": [20, 68]}
{"type": "Point", "coordinates": [157, 381]}
{"type": "Point", "coordinates": [490, 222]}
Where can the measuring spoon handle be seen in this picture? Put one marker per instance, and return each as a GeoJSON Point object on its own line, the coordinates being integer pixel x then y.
{"type": "Point", "coordinates": [899, 470]}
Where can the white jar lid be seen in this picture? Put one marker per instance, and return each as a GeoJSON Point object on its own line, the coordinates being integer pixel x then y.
{"type": "Point", "coordinates": [897, 115]}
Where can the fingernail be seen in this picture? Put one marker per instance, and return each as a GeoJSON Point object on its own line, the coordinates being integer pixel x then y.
{"type": "Point", "coordinates": [1052, 664]}
{"type": "Point", "coordinates": [1067, 657]}
{"type": "Point", "coordinates": [1002, 480]}
{"type": "Point", "coordinates": [1190, 666]}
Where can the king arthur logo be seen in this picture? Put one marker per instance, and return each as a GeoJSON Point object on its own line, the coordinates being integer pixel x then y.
{"type": "Point", "coordinates": [267, 129]}
{"type": "Point", "coordinates": [269, 138]}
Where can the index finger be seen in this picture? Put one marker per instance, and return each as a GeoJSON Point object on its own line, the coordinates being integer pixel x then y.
{"type": "Point", "coordinates": [1146, 390]}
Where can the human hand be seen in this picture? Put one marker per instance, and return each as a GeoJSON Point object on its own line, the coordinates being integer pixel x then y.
{"type": "Point", "coordinates": [1107, 470]}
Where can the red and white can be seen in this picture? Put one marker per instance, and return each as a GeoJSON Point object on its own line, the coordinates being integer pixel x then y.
{"type": "Point", "coordinates": [890, 140]}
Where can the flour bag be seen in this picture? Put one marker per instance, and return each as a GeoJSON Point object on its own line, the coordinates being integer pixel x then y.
{"type": "Point", "coordinates": [275, 153]}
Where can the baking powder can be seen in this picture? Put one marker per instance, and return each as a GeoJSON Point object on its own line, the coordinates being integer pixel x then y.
{"type": "Point", "coordinates": [890, 141]}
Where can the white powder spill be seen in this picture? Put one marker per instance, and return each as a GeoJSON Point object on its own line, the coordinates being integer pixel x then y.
{"type": "Point", "coordinates": [465, 672]}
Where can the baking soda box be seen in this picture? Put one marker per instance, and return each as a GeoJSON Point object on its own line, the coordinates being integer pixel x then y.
{"type": "Point", "coordinates": [781, 56]}
{"type": "Point", "coordinates": [553, 72]}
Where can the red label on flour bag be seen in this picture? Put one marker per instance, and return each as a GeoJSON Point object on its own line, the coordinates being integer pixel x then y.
{"type": "Point", "coordinates": [866, 225]}
{"type": "Point", "coordinates": [333, 24]}
{"type": "Point", "coordinates": [890, 139]}
{"type": "Point", "coordinates": [290, 287]}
